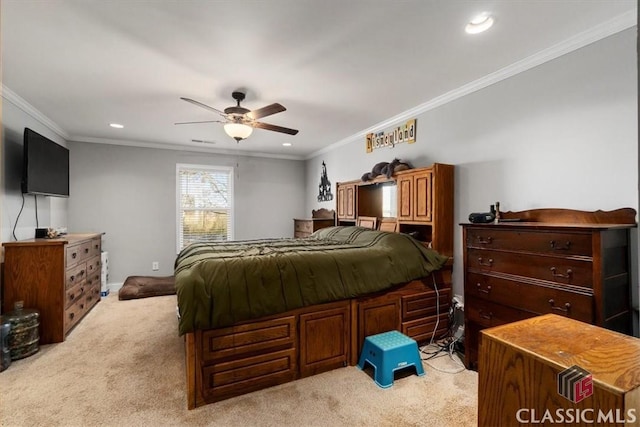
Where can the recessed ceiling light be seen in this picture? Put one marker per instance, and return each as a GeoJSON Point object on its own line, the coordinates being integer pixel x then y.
{"type": "Point", "coordinates": [480, 23]}
{"type": "Point", "coordinates": [286, 144]}
{"type": "Point", "coordinates": [116, 125]}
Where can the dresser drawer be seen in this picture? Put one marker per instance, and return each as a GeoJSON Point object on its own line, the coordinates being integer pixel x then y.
{"type": "Point", "coordinates": [94, 264]}
{"type": "Point", "coordinates": [74, 313]}
{"type": "Point", "coordinates": [301, 234]}
{"type": "Point", "coordinates": [304, 226]}
{"type": "Point", "coordinates": [73, 254]}
{"type": "Point", "coordinates": [94, 279]}
{"type": "Point", "coordinates": [78, 253]}
{"type": "Point", "coordinates": [74, 294]}
{"type": "Point", "coordinates": [92, 296]}
{"type": "Point", "coordinates": [75, 275]}
{"type": "Point", "coordinates": [96, 247]}
{"type": "Point", "coordinates": [539, 299]}
{"type": "Point", "coordinates": [543, 242]}
{"type": "Point", "coordinates": [568, 271]}
{"type": "Point", "coordinates": [487, 314]}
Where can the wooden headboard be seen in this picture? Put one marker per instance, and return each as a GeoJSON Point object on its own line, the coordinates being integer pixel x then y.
{"type": "Point", "coordinates": [323, 213]}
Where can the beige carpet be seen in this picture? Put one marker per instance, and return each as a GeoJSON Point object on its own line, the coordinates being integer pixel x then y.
{"type": "Point", "coordinates": [123, 365]}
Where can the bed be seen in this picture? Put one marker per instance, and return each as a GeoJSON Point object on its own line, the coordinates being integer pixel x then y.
{"type": "Point", "coordinates": [263, 312]}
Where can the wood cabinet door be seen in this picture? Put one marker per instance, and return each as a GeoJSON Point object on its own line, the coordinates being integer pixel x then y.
{"type": "Point", "coordinates": [350, 198]}
{"type": "Point", "coordinates": [422, 209]}
{"type": "Point", "coordinates": [324, 339]}
{"type": "Point", "coordinates": [405, 197]}
{"type": "Point", "coordinates": [376, 316]}
{"type": "Point", "coordinates": [341, 199]}
{"type": "Point", "coordinates": [346, 201]}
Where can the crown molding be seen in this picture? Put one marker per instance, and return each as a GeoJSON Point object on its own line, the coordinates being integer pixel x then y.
{"type": "Point", "coordinates": [22, 104]}
{"type": "Point", "coordinates": [199, 148]}
{"type": "Point", "coordinates": [608, 28]}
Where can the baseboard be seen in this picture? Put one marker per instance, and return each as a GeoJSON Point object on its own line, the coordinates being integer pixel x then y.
{"type": "Point", "coordinates": [114, 287]}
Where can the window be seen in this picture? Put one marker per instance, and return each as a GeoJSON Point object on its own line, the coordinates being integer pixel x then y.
{"type": "Point", "coordinates": [389, 201]}
{"type": "Point", "coordinates": [204, 203]}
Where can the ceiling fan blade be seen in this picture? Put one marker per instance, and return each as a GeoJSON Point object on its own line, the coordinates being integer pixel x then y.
{"type": "Point", "coordinates": [206, 107]}
{"type": "Point", "coordinates": [274, 128]}
{"type": "Point", "coordinates": [266, 111]}
{"type": "Point", "coordinates": [206, 121]}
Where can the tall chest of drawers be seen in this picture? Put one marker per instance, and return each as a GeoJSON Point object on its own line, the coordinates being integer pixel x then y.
{"type": "Point", "coordinates": [59, 277]}
{"type": "Point", "coordinates": [570, 263]}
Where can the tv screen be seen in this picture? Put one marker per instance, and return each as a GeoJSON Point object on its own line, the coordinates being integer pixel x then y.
{"type": "Point", "coordinates": [46, 166]}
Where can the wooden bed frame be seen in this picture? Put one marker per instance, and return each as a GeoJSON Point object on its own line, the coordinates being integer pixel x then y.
{"type": "Point", "coordinates": [227, 362]}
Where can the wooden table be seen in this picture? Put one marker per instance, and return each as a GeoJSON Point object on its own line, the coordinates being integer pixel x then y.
{"type": "Point", "coordinates": [521, 364]}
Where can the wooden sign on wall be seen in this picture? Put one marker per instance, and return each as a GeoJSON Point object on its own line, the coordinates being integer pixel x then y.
{"type": "Point", "coordinates": [405, 133]}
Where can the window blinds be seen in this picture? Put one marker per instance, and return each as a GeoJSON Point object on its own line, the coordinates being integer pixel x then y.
{"type": "Point", "coordinates": [205, 203]}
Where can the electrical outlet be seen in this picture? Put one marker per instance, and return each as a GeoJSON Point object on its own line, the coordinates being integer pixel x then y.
{"type": "Point", "coordinates": [155, 266]}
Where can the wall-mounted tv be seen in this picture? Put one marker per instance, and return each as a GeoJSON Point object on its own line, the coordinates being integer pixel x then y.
{"type": "Point", "coordinates": [46, 166]}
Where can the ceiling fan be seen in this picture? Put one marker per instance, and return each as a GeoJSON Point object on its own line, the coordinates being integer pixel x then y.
{"type": "Point", "coordinates": [239, 121]}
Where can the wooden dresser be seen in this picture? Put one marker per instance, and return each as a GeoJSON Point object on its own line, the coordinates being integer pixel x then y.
{"type": "Point", "coordinates": [522, 363]}
{"type": "Point", "coordinates": [571, 263]}
{"type": "Point", "coordinates": [60, 277]}
{"type": "Point", "coordinates": [320, 218]}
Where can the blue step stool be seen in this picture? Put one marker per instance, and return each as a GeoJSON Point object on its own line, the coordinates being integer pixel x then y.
{"type": "Point", "coordinates": [388, 352]}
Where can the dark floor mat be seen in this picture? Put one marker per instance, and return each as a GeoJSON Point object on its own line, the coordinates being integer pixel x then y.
{"type": "Point", "coordinates": [146, 286]}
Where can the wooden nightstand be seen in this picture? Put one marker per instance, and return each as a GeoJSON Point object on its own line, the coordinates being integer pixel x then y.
{"type": "Point", "coordinates": [320, 218]}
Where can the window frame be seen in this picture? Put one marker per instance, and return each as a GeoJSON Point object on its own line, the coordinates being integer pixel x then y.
{"type": "Point", "coordinates": [209, 168]}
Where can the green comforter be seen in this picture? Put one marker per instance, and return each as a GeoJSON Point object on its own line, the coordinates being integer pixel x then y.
{"type": "Point", "coordinates": [222, 283]}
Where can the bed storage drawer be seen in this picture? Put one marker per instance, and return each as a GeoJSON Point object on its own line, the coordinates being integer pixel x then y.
{"type": "Point", "coordinates": [233, 377]}
{"type": "Point", "coordinates": [422, 330]}
{"type": "Point", "coordinates": [249, 339]}
{"type": "Point", "coordinates": [424, 304]}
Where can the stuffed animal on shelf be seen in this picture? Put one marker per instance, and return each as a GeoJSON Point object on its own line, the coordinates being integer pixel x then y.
{"type": "Point", "coordinates": [385, 168]}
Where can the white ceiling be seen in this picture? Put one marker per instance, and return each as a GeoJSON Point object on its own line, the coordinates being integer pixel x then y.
{"type": "Point", "coordinates": [340, 67]}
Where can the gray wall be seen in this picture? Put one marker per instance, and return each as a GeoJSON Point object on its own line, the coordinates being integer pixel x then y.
{"type": "Point", "coordinates": [129, 193]}
{"type": "Point", "coordinates": [562, 134]}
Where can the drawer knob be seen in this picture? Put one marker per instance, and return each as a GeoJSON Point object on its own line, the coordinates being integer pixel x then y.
{"type": "Point", "coordinates": [556, 247]}
{"type": "Point", "coordinates": [488, 263]}
{"type": "Point", "coordinates": [72, 297]}
{"type": "Point", "coordinates": [485, 241]}
{"type": "Point", "coordinates": [567, 306]}
{"type": "Point", "coordinates": [564, 276]}
{"type": "Point", "coordinates": [86, 250]}
{"type": "Point", "coordinates": [74, 255]}
{"type": "Point", "coordinates": [485, 315]}
{"type": "Point", "coordinates": [484, 291]}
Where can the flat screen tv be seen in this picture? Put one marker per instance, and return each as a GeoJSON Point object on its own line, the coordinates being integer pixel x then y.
{"type": "Point", "coordinates": [46, 166]}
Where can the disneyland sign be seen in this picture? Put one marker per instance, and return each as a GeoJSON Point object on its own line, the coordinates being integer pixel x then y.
{"type": "Point", "coordinates": [390, 138]}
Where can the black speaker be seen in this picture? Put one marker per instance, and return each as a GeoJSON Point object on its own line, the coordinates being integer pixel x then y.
{"type": "Point", "coordinates": [481, 218]}
{"type": "Point", "coordinates": [41, 233]}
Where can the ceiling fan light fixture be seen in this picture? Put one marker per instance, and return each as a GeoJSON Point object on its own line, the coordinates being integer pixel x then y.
{"type": "Point", "coordinates": [238, 131]}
